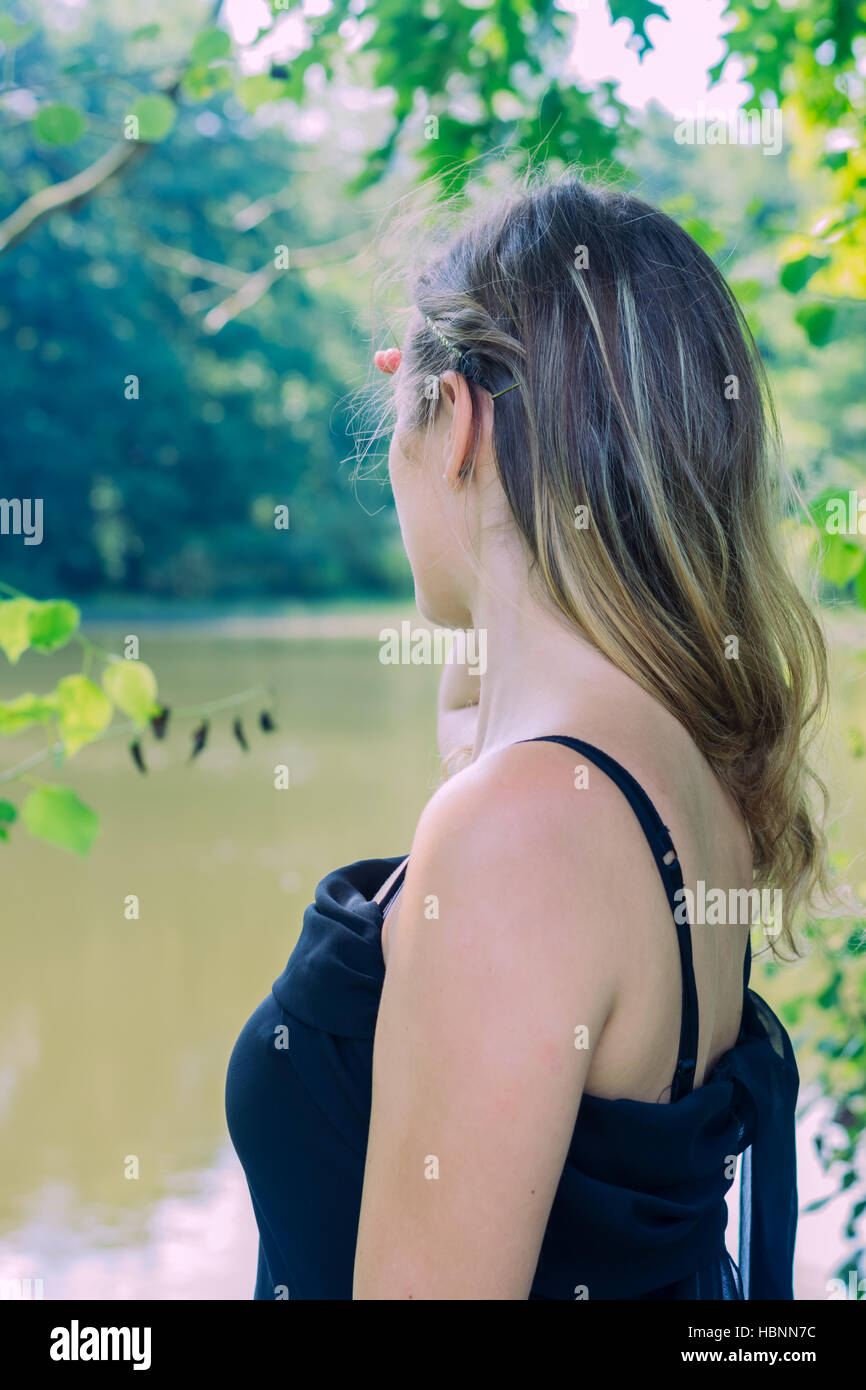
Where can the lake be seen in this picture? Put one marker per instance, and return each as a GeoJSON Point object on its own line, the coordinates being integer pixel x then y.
{"type": "Point", "coordinates": [116, 1031]}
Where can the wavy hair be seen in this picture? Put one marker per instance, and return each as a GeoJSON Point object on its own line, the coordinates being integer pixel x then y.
{"type": "Point", "coordinates": [639, 453]}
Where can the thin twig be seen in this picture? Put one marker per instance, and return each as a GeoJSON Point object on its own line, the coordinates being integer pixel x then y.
{"type": "Point", "coordinates": [258, 282]}
{"type": "Point", "coordinates": [117, 730]}
{"type": "Point", "coordinates": [71, 193]}
{"type": "Point", "coordinates": [195, 266]}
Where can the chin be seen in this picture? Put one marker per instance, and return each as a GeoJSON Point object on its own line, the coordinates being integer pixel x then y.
{"type": "Point", "coordinates": [442, 610]}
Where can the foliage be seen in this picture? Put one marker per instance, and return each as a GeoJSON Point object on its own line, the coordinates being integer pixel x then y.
{"type": "Point", "coordinates": [80, 711]}
{"type": "Point", "coordinates": [809, 59]}
{"type": "Point", "coordinates": [827, 1020]}
{"type": "Point", "coordinates": [154, 171]}
{"type": "Point", "coordinates": [162, 498]}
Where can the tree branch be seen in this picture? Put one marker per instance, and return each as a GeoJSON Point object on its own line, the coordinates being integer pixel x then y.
{"type": "Point", "coordinates": [259, 282]}
{"type": "Point", "coordinates": [119, 730]}
{"type": "Point", "coordinates": [195, 266]}
{"type": "Point", "coordinates": [71, 193]}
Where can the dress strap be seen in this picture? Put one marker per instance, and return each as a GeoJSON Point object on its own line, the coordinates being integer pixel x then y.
{"type": "Point", "coordinates": [668, 865]}
{"type": "Point", "coordinates": [395, 887]}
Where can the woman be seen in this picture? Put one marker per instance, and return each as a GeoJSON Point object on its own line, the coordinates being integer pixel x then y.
{"type": "Point", "coordinates": [567, 1061]}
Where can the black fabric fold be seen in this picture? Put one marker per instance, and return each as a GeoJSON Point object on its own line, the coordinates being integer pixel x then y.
{"type": "Point", "coordinates": [640, 1210]}
{"type": "Point", "coordinates": [764, 1061]}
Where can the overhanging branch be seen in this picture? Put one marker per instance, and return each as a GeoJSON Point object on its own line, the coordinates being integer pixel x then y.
{"type": "Point", "coordinates": [71, 193]}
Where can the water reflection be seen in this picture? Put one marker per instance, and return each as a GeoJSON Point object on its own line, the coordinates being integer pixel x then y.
{"type": "Point", "coordinates": [115, 1034]}
{"type": "Point", "coordinates": [197, 1243]}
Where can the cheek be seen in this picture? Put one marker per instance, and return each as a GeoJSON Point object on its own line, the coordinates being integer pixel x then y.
{"type": "Point", "coordinates": [397, 463]}
{"type": "Point", "coordinates": [400, 473]}
{"type": "Point", "coordinates": [413, 497]}
{"type": "Point", "coordinates": [429, 515]}
{"type": "Point", "coordinates": [410, 484]}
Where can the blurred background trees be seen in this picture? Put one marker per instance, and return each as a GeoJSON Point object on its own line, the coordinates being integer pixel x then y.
{"type": "Point", "coordinates": [191, 201]}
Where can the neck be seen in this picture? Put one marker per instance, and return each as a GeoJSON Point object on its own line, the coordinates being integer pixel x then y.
{"type": "Point", "coordinates": [542, 677]}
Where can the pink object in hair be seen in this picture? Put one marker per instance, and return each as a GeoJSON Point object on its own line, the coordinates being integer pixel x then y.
{"type": "Point", "coordinates": [388, 360]}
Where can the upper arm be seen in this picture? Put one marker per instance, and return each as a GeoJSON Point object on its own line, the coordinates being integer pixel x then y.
{"type": "Point", "coordinates": [477, 1073]}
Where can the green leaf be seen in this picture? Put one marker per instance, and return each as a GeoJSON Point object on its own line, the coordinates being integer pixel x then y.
{"type": "Point", "coordinates": [841, 561]}
{"type": "Point", "coordinates": [817, 321]}
{"type": "Point", "coordinates": [747, 290]}
{"type": "Point", "coordinates": [24, 711]}
{"type": "Point", "coordinates": [145, 31]}
{"type": "Point", "coordinates": [819, 507]}
{"type": "Point", "coordinates": [637, 12]}
{"type": "Point", "coordinates": [15, 626]}
{"type": "Point", "coordinates": [253, 92]}
{"type": "Point", "coordinates": [83, 711]}
{"type": "Point", "coordinates": [12, 34]}
{"type": "Point", "coordinates": [829, 996]}
{"type": "Point", "coordinates": [58, 124]}
{"type": "Point", "coordinates": [818, 1203]}
{"type": "Point", "coordinates": [211, 44]}
{"type": "Point", "coordinates": [132, 687]}
{"type": "Point", "coordinates": [7, 812]}
{"type": "Point", "coordinates": [860, 587]}
{"type": "Point", "coordinates": [708, 238]}
{"type": "Point", "coordinates": [854, 741]}
{"type": "Point", "coordinates": [199, 83]}
{"type": "Point", "coordinates": [56, 815]}
{"type": "Point", "coordinates": [156, 116]}
{"type": "Point", "coordinates": [52, 623]}
{"type": "Point", "coordinates": [797, 274]}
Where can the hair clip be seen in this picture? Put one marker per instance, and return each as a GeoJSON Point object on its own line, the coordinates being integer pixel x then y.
{"type": "Point", "coordinates": [388, 360]}
{"type": "Point", "coordinates": [446, 342]}
{"type": "Point", "coordinates": [452, 347]}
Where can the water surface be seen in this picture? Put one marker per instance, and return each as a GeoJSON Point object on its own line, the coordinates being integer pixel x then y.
{"type": "Point", "coordinates": [116, 1033]}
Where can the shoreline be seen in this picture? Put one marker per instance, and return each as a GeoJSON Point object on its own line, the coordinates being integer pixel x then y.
{"type": "Point", "coordinates": [287, 623]}
{"type": "Point", "coordinates": [340, 620]}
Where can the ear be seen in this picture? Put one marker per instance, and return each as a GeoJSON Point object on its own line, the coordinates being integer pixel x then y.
{"type": "Point", "coordinates": [469, 424]}
{"type": "Point", "coordinates": [455, 402]}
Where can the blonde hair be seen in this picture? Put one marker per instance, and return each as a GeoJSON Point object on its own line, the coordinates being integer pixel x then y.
{"type": "Point", "coordinates": [641, 397]}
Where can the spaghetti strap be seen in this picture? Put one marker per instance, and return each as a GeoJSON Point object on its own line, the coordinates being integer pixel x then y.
{"type": "Point", "coordinates": [639, 1210]}
{"type": "Point", "coordinates": [667, 862]}
{"type": "Point", "coordinates": [395, 887]}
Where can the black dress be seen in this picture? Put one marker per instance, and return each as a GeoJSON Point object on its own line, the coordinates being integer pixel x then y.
{"type": "Point", "coordinates": [640, 1209]}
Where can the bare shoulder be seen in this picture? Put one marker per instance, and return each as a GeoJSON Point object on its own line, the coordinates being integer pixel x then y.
{"type": "Point", "coordinates": [537, 797]}
{"type": "Point", "coordinates": [501, 976]}
{"type": "Point", "coordinates": [522, 842]}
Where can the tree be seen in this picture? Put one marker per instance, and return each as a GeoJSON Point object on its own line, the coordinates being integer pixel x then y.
{"type": "Point", "coordinates": [153, 220]}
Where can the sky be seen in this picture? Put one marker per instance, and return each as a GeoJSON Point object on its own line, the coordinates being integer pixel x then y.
{"type": "Point", "coordinates": [673, 73]}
